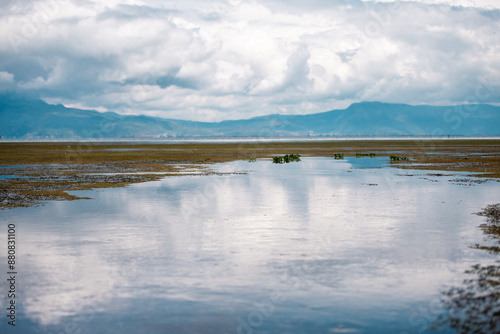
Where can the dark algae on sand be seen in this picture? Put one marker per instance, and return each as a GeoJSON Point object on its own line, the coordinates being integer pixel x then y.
{"type": "Point", "coordinates": [474, 307]}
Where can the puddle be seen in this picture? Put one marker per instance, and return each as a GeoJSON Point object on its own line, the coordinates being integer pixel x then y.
{"type": "Point", "coordinates": [368, 162]}
{"type": "Point", "coordinates": [16, 166]}
{"type": "Point", "coordinates": [318, 246]}
{"type": "Point", "coordinates": [3, 177]}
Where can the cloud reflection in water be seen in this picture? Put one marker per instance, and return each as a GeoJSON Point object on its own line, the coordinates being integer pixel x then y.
{"type": "Point", "coordinates": [343, 248]}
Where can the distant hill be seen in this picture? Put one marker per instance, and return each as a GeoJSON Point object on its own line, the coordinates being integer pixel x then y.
{"type": "Point", "coordinates": [25, 118]}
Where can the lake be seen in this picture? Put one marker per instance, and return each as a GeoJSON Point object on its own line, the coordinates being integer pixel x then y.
{"type": "Point", "coordinates": [317, 246]}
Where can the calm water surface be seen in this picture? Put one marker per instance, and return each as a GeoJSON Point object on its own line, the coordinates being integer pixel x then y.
{"type": "Point", "coordinates": [319, 246]}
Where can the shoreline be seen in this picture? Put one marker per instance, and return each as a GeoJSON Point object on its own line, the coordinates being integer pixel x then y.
{"type": "Point", "coordinates": [230, 140]}
{"type": "Point", "coordinates": [40, 171]}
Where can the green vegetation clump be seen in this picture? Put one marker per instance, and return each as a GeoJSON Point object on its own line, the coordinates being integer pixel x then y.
{"type": "Point", "coordinates": [339, 156]}
{"type": "Point", "coordinates": [286, 158]}
{"type": "Point", "coordinates": [252, 159]}
{"type": "Point", "coordinates": [371, 155]}
{"type": "Point", "coordinates": [398, 158]}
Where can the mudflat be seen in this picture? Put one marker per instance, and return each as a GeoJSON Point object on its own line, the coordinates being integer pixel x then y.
{"type": "Point", "coordinates": [35, 172]}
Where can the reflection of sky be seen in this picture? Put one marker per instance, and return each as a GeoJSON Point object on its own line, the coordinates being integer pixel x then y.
{"type": "Point", "coordinates": [344, 245]}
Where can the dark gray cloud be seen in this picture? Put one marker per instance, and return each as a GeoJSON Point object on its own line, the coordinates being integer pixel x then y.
{"type": "Point", "coordinates": [236, 59]}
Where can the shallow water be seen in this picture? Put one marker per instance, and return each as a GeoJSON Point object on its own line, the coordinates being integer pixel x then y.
{"type": "Point", "coordinates": [319, 246]}
{"type": "Point", "coordinates": [3, 177]}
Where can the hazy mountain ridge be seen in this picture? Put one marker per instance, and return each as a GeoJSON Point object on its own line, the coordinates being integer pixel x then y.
{"type": "Point", "coordinates": [26, 118]}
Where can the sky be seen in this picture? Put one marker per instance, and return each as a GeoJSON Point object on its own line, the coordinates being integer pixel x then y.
{"type": "Point", "coordinates": [236, 59]}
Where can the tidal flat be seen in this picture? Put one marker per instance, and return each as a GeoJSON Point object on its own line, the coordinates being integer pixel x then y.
{"type": "Point", "coordinates": [199, 238]}
{"type": "Point", "coordinates": [35, 172]}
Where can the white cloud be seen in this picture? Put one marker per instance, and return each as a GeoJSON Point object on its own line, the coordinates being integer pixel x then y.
{"type": "Point", "coordinates": [6, 81]}
{"type": "Point", "coordinates": [488, 4]}
{"type": "Point", "coordinates": [238, 59]}
{"type": "Point", "coordinates": [6, 78]}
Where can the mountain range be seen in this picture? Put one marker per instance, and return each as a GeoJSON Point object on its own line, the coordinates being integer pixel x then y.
{"type": "Point", "coordinates": [28, 118]}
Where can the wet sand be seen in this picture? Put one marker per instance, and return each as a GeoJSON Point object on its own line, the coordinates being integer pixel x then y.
{"type": "Point", "coordinates": [35, 172]}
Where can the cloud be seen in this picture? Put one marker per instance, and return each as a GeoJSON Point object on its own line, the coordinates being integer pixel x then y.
{"type": "Point", "coordinates": [237, 59]}
{"type": "Point", "coordinates": [6, 81]}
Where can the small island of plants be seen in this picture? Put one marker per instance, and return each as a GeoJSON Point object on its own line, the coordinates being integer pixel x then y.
{"type": "Point", "coordinates": [339, 156]}
{"type": "Point", "coordinates": [286, 158]}
{"type": "Point", "coordinates": [398, 158]}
